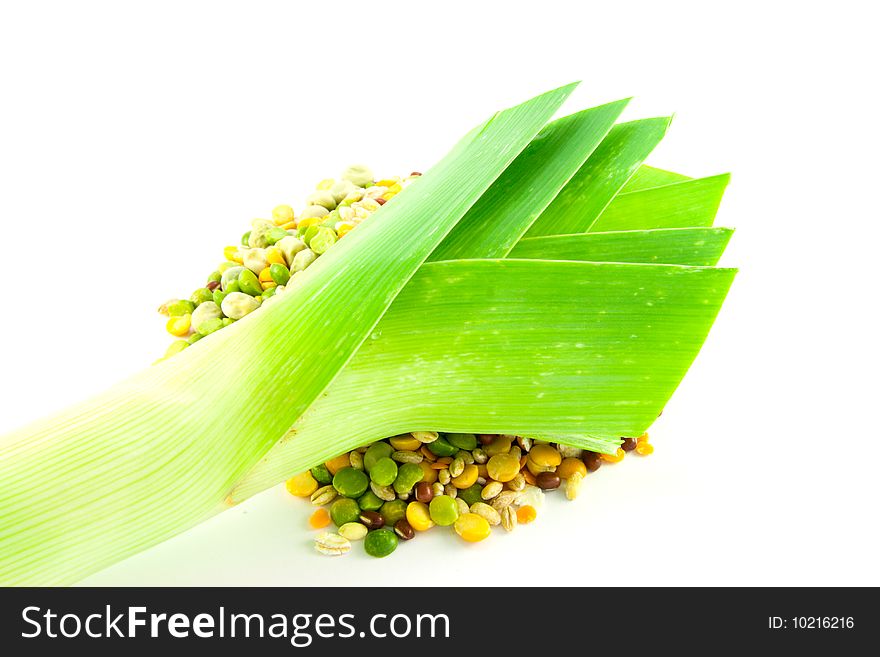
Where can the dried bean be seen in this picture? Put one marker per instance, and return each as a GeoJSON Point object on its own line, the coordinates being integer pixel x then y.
{"type": "Point", "coordinates": [547, 480]}
{"type": "Point", "coordinates": [404, 530]}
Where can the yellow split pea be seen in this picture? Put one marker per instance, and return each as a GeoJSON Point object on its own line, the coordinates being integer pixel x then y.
{"type": "Point", "coordinates": [570, 466]}
{"type": "Point", "coordinates": [468, 477]}
{"type": "Point", "coordinates": [179, 326]}
{"type": "Point", "coordinates": [274, 256]}
{"type": "Point", "coordinates": [429, 474]}
{"type": "Point", "coordinates": [405, 443]}
{"type": "Point", "coordinates": [472, 528]}
{"type": "Point", "coordinates": [302, 485]}
{"type": "Point", "coordinates": [617, 457]}
{"type": "Point", "coordinates": [545, 456]}
{"type": "Point", "coordinates": [501, 445]}
{"type": "Point", "coordinates": [282, 214]}
{"type": "Point", "coordinates": [334, 465]}
{"type": "Point", "coordinates": [418, 516]}
{"type": "Point", "coordinates": [503, 467]}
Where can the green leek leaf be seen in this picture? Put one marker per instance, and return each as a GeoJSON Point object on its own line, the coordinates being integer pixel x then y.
{"type": "Point", "coordinates": [505, 212]}
{"type": "Point", "coordinates": [601, 364]}
{"type": "Point", "coordinates": [679, 205]}
{"type": "Point", "coordinates": [619, 155]}
{"type": "Point", "coordinates": [670, 246]}
{"type": "Point", "coordinates": [648, 176]}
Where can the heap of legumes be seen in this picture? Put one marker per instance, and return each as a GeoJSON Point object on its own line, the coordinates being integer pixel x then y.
{"type": "Point", "coordinates": [274, 252]}
{"type": "Point", "coordinates": [391, 489]}
{"type": "Point", "coordinates": [386, 491]}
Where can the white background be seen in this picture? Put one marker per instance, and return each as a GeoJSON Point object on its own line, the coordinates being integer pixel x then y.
{"type": "Point", "coordinates": [137, 139]}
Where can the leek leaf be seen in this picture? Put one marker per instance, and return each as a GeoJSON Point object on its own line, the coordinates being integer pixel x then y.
{"type": "Point", "coordinates": [679, 205]}
{"type": "Point", "coordinates": [599, 364]}
{"type": "Point", "coordinates": [648, 176]}
{"type": "Point", "coordinates": [576, 207]}
{"type": "Point", "coordinates": [670, 246]}
{"type": "Point", "coordinates": [505, 212]}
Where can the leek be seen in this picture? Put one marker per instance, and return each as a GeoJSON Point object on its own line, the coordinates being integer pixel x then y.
{"type": "Point", "coordinates": [373, 340]}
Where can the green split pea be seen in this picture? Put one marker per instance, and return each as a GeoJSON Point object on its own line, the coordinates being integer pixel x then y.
{"type": "Point", "coordinates": [380, 542]}
{"type": "Point", "coordinates": [350, 482]}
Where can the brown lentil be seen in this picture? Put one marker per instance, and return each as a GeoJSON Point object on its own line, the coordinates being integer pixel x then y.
{"type": "Point", "coordinates": [547, 480]}
{"type": "Point", "coordinates": [629, 444]}
{"type": "Point", "coordinates": [424, 492]}
{"type": "Point", "coordinates": [404, 530]}
{"type": "Point", "coordinates": [372, 520]}
{"type": "Point", "coordinates": [592, 460]}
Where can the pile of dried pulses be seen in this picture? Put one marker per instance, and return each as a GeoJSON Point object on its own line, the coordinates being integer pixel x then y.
{"type": "Point", "coordinates": [390, 490]}
{"type": "Point", "coordinates": [273, 253]}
